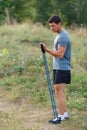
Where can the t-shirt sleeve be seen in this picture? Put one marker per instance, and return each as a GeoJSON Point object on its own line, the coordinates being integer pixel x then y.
{"type": "Point", "coordinates": [63, 41]}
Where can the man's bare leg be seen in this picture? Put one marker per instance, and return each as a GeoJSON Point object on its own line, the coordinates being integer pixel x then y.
{"type": "Point", "coordinates": [61, 98]}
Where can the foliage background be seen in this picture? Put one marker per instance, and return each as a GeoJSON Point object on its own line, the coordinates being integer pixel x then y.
{"type": "Point", "coordinates": [71, 11]}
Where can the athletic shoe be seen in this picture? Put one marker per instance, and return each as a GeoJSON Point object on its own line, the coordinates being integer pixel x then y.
{"type": "Point", "coordinates": [66, 116]}
{"type": "Point", "coordinates": [57, 120]}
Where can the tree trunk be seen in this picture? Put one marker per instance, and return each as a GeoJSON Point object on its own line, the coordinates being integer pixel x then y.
{"type": "Point", "coordinates": [8, 18]}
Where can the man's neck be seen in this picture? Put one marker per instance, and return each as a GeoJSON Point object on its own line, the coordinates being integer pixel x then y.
{"type": "Point", "coordinates": [60, 30]}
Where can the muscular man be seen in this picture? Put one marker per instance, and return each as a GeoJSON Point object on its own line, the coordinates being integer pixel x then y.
{"type": "Point", "coordinates": [61, 65]}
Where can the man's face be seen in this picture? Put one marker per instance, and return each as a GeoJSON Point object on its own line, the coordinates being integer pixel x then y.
{"type": "Point", "coordinates": [55, 27]}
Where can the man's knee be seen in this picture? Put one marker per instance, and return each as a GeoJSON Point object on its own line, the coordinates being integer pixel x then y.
{"type": "Point", "coordinates": [59, 89]}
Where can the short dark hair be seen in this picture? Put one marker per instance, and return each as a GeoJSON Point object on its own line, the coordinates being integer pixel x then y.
{"type": "Point", "coordinates": [55, 19]}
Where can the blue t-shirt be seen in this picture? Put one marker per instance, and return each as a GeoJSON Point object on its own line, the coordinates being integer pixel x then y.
{"type": "Point", "coordinates": [62, 39]}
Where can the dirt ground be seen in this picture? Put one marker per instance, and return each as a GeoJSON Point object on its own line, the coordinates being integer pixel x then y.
{"type": "Point", "coordinates": [30, 117]}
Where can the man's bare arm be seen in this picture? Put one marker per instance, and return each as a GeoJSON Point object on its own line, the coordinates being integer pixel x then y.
{"type": "Point", "coordinates": [57, 53]}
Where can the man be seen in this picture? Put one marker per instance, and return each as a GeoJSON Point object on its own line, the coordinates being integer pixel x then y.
{"type": "Point", "coordinates": [61, 65]}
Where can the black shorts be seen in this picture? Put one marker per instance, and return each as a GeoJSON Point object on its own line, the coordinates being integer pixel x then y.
{"type": "Point", "coordinates": [61, 76]}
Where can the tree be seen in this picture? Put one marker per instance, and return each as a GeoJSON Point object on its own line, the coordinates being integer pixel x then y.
{"type": "Point", "coordinates": [43, 10]}
{"type": "Point", "coordinates": [18, 9]}
{"type": "Point", "coordinates": [71, 11]}
{"type": "Point", "coordinates": [80, 8]}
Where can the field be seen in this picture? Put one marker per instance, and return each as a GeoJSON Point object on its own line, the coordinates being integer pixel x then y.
{"type": "Point", "coordinates": [24, 97]}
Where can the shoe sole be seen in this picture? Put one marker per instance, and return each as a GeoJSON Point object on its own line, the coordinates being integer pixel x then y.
{"type": "Point", "coordinates": [54, 122]}
{"type": "Point", "coordinates": [66, 118]}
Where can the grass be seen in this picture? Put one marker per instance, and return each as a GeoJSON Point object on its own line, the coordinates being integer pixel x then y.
{"type": "Point", "coordinates": [22, 74]}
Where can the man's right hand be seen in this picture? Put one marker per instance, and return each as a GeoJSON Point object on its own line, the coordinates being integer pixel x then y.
{"type": "Point", "coordinates": [43, 47]}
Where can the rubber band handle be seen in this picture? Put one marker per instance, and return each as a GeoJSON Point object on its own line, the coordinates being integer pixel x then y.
{"type": "Point", "coordinates": [42, 49]}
